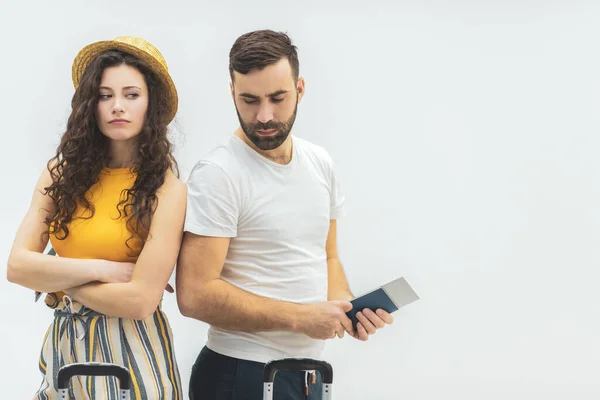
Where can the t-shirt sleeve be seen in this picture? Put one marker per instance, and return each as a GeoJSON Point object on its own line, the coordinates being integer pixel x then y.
{"type": "Point", "coordinates": [212, 203]}
{"type": "Point", "coordinates": [337, 200]}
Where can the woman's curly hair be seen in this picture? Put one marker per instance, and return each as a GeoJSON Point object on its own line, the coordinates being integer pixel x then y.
{"type": "Point", "coordinates": [84, 151]}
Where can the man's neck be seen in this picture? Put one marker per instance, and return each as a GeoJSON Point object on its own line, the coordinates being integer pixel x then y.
{"type": "Point", "coordinates": [281, 155]}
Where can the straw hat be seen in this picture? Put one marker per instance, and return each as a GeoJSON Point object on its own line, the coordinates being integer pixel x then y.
{"type": "Point", "coordinates": [137, 47]}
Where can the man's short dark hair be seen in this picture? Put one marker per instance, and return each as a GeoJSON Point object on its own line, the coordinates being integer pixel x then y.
{"type": "Point", "coordinates": [259, 49]}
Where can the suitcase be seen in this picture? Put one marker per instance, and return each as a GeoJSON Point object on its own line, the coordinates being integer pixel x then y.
{"type": "Point", "coordinates": [93, 369]}
{"type": "Point", "coordinates": [297, 364]}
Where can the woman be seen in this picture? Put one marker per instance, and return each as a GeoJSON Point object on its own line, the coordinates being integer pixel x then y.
{"type": "Point", "coordinates": [112, 206]}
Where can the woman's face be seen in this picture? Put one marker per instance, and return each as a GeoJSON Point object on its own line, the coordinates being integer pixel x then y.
{"type": "Point", "coordinates": [123, 102]}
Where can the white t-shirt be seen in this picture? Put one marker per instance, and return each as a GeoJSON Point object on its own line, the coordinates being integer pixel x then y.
{"type": "Point", "coordinates": [278, 217]}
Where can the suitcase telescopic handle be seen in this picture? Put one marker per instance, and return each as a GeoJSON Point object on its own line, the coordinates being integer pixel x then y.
{"type": "Point", "coordinates": [93, 369]}
{"type": "Point", "coordinates": [297, 364]}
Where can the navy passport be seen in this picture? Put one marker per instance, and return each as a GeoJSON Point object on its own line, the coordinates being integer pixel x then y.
{"type": "Point", "coordinates": [389, 297]}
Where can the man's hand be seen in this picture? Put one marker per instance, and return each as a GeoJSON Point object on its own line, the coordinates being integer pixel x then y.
{"type": "Point", "coordinates": [369, 322]}
{"type": "Point", "coordinates": [325, 320]}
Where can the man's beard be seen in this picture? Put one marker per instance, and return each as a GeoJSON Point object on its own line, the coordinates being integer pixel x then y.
{"type": "Point", "coordinates": [268, 142]}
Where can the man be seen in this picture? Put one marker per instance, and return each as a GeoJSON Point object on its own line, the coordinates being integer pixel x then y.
{"type": "Point", "coordinates": [259, 257]}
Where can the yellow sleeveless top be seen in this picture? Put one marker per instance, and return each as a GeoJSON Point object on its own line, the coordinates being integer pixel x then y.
{"type": "Point", "coordinates": [102, 236]}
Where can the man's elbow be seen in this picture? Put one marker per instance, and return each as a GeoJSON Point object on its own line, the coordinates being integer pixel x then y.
{"type": "Point", "coordinates": [188, 304]}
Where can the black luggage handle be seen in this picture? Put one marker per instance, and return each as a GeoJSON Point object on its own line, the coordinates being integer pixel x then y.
{"type": "Point", "coordinates": [93, 369]}
{"type": "Point", "coordinates": [298, 364]}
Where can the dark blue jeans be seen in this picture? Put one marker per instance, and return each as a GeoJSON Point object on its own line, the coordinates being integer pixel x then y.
{"type": "Point", "coordinates": [218, 377]}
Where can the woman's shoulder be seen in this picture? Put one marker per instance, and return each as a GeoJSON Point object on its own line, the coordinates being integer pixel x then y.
{"type": "Point", "coordinates": [172, 186]}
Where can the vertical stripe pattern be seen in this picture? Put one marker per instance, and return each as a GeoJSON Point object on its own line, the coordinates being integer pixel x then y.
{"type": "Point", "coordinates": [78, 334]}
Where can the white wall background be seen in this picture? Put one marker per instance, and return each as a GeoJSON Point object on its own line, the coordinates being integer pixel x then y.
{"type": "Point", "coordinates": [466, 137]}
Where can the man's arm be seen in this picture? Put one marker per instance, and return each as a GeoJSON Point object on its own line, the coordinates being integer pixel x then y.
{"type": "Point", "coordinates": [203, 295]}
{"type": "Point", "coordinates": [369, 321]}
{"type": "Point", "coordinates": [338, 288]}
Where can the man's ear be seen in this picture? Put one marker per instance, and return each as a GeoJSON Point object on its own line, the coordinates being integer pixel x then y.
{"type": "Point", "coordinates": [300, 87]}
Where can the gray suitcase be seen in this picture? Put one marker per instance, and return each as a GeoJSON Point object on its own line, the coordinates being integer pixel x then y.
{"type": "Point", "coordinates": [297, 364]}
{"type": "Point", "coordinates": [93, 369]}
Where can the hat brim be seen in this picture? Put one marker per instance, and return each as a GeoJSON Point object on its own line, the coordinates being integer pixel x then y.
{"type": "Point", "coordinates": [91, 51]}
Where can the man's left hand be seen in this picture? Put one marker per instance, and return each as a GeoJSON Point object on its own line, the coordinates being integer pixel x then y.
{"type": "Point", "coordinates": [369, 322]}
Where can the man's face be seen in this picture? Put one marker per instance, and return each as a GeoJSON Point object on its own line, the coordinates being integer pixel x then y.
{"type": "Point", "coordinates": [266, 102]}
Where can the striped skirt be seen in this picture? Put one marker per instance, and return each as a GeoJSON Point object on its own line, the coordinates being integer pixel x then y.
{"type": "Point", "coordinates": [79, 334]}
